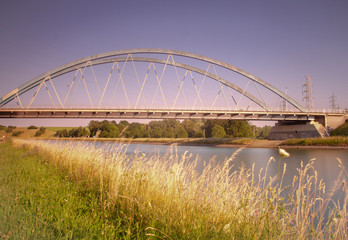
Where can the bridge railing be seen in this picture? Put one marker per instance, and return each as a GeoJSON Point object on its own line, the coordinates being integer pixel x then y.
{"type": "Point", "coordinates": [178, 108]}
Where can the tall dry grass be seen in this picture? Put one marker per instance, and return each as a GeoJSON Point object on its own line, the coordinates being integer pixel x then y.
{"type": "Point", "coordinates": [171, 199]}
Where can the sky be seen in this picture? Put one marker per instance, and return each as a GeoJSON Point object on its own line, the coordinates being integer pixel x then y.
{"type": "Point", "coordinates": [279, 41]}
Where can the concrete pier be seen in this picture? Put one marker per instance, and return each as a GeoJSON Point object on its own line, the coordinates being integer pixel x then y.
{"type": "Point", "coordinates": [287, 129]}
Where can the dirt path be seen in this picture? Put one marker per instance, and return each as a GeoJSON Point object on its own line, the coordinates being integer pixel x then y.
{"type": "Point", "coordinates": [264, 144]}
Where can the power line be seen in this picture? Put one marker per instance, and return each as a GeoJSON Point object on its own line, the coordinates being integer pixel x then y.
{"type": "Point", "coordinates": [307, 95]}
{"type": "Point", "coordinates": [333, 102]}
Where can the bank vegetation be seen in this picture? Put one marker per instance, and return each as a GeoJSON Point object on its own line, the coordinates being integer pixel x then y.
{"type": "Point", "coordinates": [176, 197]}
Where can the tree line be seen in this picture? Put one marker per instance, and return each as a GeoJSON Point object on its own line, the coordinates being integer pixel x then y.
{"type": "Point", "coordinates": [168, 129]}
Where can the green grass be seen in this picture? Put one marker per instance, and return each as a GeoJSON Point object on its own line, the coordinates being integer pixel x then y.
{"type": "Point", "coordinates": [81, 192]}
{"type": "Point", "coordinates": [40, 202]}
{"type": "Point", "coordinates": [55, 129]}
{"type": "Point", "coordinates": [341, 130]}
{"type": "Point", "coordinates": [328, 141]}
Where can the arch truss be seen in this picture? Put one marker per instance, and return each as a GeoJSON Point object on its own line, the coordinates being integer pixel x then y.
{"type": "Point", "coordinates": [148, 79]}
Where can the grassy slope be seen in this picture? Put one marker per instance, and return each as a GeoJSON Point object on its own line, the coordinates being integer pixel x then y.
{"type": "Point", "coordinates": [150, 194]}
{"type": "Point", "coordinates": [29, 133]}
{"type": "Point", "coordinates": [40, 202]}
{"type": "Point", "coordinates": [329, 141]}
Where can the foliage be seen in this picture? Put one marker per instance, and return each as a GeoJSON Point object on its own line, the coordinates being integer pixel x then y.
{"type": "Point", "coordinates": [105, 129]}
{"type": "Point", "coordinates": [39, 132]}
{"type": "Point", "coordinates": [9, 129]}
{"type": "Point", "coordinates": [233, 128]}
{"type": "Point", "coordinates": [167, 129]}
{"type": "Point", "coordinates": [181, 133]}
{"type": "Point", "coordinates": [73, 132]}
{"type": "Point", "coordinates": [62, 133]}
{"type": "Point", "coordinates": [238, 128]}
{"type": "Point", "coordinates": [79, 132]}
{"type": "Point", "coordinates": [341, 130]}
{"type": "Point", "coordinates": [108, 130]}
{"type": "Point", "coordinates": [173, 129]}
{"type": "Point", "coordinates": [2, 127]}
{"type": "Point", "coordinates": [218, 131]}
{"type": "Point", "coordinates": [32, 127]}
{"type": "Point", "coordinates": [193, 128]}
{"type": "Point", "coordinates": [136, 130]}
{"type": "Point", "coordinates": [94, 127]}
{"type": "Point", "coordinates": [263, 132]}
{"type": "Point", "coordinates": [122, 125]}
{"type": "Point", "coordinates": [168, 133]}
{"type": "Point", "coordinates": [16, 133]}
{"type": "Point", "coordinates": [156, 132]}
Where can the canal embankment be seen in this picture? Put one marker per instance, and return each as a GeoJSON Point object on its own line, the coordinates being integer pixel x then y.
{"type": "Point", "coordinates": [151, 197]}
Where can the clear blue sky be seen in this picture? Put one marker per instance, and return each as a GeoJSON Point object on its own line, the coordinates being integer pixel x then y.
{"type": "Point", "coordinates": [279, 41]}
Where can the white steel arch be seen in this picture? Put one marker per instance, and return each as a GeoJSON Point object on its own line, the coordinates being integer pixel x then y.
{"type": "Point", "coordinates": [111, 57]}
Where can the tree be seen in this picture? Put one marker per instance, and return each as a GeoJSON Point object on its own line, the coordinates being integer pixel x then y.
{"type": "Point", "coordinates": [182, 133]}
{"type": "Point", "coordinates": [218, 131]}
{"type": "Point", "coordinates": [156, 129]}
{"type": "Point", "coordinates": [62, 133]}
{"type": "Point", "coordinates": [108, 130]}
{"type": "Point", "coordinates": [94, 127]}
{"type": "Point", "coordinates": [264, 132]}
{"type": "Point", "coordinates": [136, 130]}
{"type": "Point", "coordinates": [144, 133]}
{"type": "Point", "coordinates": [156, 132]}
{"type": "Point", "coordinates": [122, 125]}
{"type": "Point", "coordinates": [168, 133]}
{"type": "Point", "coordinates": [238, 128]}
{"type": "Point", "coordinates": [208, 126]}
{"type": "Point", "coordinates": [193, 128]}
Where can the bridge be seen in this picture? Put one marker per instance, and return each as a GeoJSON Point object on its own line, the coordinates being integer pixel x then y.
{"type": "Point", "coordinates": [162, 84]}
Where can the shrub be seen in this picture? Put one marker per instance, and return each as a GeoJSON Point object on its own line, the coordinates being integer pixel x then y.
{"type": "Point", "coordinates": [16, 133]}
{"type": "Point", "coordinates": [32, 127]}
{"type": "Point", "coordinates": [62, 133]}
{"type": "Point", "coordinates": [10, 129]}
{"type": "Point", "coordinates": [341, 130]}
{"type": "Point", "coordinates": [39, 132]}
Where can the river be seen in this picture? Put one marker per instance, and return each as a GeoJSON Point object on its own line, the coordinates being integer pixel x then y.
{"type": "Point", "coordinates": [325, 163]}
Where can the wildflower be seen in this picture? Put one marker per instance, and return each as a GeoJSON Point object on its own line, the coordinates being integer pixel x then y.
{"type": "Point", "coordinates": [283, 153]}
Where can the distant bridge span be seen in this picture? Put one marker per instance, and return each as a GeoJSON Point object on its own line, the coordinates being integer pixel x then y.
{"type": "Point", "coordinates": [160, 114]}
{"type": "Point", "coordinates": [16, 104]}
{"type": "Point", "coordinates": [107, 58]}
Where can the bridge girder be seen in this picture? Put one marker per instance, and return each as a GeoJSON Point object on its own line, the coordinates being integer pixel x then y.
{"type": "Point", "coordinates": [105, 58]}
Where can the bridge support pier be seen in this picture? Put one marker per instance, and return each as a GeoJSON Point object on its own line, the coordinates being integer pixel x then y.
{"type": "Point", "coordinates": [292, 129]}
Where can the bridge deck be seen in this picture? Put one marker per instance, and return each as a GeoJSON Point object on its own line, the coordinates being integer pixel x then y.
{"type": "Point", "coordinates": [160, 114]}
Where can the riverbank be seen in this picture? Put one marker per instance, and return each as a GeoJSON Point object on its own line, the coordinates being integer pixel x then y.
{"type": "Point", "coordinates": [153, 198]}
{"type": "Point", "coordinates": [336, 142]}
{"type": "Point", "coordinates": [40, 201]}
{"type": "Point", "coordinates": [327, 143]}
{"type": "Point", "coordinates": [227, 143]}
